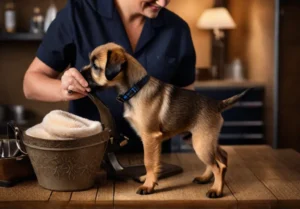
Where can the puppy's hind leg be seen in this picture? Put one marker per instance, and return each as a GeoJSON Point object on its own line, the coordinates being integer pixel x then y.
{"type": "Point", "coordinates": [205, 146]}
{"type": "Point", "coordinates": [220, 171]}
{"type": "Point", "coordinates": [222, 156]}
{"type": "Point", "coordinates": [205, 177]}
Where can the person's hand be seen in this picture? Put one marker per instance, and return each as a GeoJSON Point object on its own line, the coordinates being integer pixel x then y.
{"type": "Point", "coordinates": [73, 85]}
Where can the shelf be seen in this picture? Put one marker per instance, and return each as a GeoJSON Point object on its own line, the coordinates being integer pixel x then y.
{"type": "Point", "coordinates": [223, 84]}
{"type": "Point", "coordinates": [20, 37]}
{"type": "Point", "coordinates": [243, 123]}
{"type": "Point", "coordinates": [241, 136]}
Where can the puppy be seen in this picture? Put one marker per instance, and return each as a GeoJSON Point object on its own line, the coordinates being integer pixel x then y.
{"type": "Point", "coordinates": [158, 111]}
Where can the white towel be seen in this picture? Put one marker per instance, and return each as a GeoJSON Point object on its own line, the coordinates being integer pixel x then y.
{"type": "Point", "coordinates": [63, 125]}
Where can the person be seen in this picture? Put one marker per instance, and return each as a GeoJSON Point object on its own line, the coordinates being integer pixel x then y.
{"type": "Point", "coordinates": [159, 39]}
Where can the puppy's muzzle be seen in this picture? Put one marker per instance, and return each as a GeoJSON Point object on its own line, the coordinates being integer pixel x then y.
{"type": "Point", "coordinates": [86, 73]}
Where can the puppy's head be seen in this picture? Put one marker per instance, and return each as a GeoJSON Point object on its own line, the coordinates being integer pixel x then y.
{"type": "Point", "coordinates": [107, 63]}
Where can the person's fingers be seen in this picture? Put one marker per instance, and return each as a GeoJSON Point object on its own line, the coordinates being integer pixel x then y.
{"type": "Point", "coordinates": [78, 77]}
{"type": "Point", "coordinates": [73, 85]}
{"type": "Point", "coordinates": [69, 78]}
{"type": "Point", "coordinates": [76, 87]}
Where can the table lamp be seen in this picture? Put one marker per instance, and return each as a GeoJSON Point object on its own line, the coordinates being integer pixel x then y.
{"type": "Point", "coordinates": [217, 19]}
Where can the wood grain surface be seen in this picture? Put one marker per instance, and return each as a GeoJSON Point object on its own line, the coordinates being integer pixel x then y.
{"type": "Point", "coordinates": [258, 177]}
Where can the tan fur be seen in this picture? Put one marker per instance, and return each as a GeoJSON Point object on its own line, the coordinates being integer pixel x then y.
{"type": "Point", "coordinates": [148, 112]}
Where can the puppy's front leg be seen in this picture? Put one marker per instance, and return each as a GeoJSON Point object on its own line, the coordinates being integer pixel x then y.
{"type": "Point", "coordinates": [152, 149]}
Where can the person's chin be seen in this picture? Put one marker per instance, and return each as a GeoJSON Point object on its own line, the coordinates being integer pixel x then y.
{"type": "Point", "coordinates": [151, 14]}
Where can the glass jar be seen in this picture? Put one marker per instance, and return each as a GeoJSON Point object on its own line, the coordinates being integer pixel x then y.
{"type": "Point", "coordinates": [37, 21]}
{"type": "Point", "coordinates": [10, 17]}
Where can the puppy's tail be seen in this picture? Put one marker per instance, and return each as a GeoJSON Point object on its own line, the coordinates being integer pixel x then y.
{"type": "Point", "coordinates": [228, 103]}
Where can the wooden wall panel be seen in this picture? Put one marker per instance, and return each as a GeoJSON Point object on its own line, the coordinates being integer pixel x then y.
{"type": "Point", "coordinates": [253, 42]}
{"type": "Point", "coordinates": [15, 58]}
{"type": "Point", "coordinates": [190, 11]}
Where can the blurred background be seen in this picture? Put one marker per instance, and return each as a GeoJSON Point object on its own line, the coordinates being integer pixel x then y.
{"type": "Point", "coordinates": [239, 44]}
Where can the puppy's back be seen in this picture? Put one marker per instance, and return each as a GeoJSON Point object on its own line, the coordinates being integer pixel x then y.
{"type": "Point", "coordinates": [181, 108]}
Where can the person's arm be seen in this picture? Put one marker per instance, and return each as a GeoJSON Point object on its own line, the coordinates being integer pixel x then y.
{"type": "Point", "coordinates": [41, 83]}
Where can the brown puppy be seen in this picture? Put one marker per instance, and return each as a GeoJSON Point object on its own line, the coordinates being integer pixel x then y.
{"type": "Point", "coordinates": [159, 111]}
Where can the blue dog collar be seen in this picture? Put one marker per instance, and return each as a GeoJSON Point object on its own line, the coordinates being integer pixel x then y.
{"type": "Point", "coordinates": [133, 90]}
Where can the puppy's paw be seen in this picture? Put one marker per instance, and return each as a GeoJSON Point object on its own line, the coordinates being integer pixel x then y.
{"type": "Point", "coordinates": [199, 180]}
{"type": "Point", "coordinates": [212, 193]}
{"type": "Point", "coordinates": [142, 179]}
{"type": "Point", "coordinates": [143, 190]}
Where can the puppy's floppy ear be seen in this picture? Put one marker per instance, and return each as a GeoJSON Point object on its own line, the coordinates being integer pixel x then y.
{"type": "Point", "coordinates": [116, 62]}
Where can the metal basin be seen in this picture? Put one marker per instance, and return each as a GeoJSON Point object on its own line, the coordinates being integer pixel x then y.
{"type": "Point", "coordinates": [66, 165]}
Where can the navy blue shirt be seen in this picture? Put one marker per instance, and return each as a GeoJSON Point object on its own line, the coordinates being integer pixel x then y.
{"type": "Point", "coordinates": [165, 49]}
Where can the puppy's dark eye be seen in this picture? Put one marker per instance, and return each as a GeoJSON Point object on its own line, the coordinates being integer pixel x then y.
{"type": "Point", "coordinates": [95, 66]}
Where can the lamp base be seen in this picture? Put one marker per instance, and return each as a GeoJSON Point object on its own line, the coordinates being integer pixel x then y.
{"type": "Point", "coordinates": [217, 59]}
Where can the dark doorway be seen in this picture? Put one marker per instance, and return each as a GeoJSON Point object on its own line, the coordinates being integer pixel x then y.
{"type": "Point", "coordinates": [289, 75]}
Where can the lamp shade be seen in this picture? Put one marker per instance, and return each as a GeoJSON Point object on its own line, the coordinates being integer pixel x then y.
{"type": "Point", "coordinates": [216, 18]}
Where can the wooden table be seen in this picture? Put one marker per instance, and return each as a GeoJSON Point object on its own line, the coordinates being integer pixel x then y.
{"type": "Point", "coordinates": [257, 177]}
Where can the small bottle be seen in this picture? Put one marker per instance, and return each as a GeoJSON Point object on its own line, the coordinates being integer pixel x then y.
{"type": "Point", "coordinates": [50, 15]}
{"type": "Point", "coordinates": [10, 17]}
{"type": "Point", "coordinates": [237, 70]}
{"type": "Point", "coordinates": [37, 21]}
